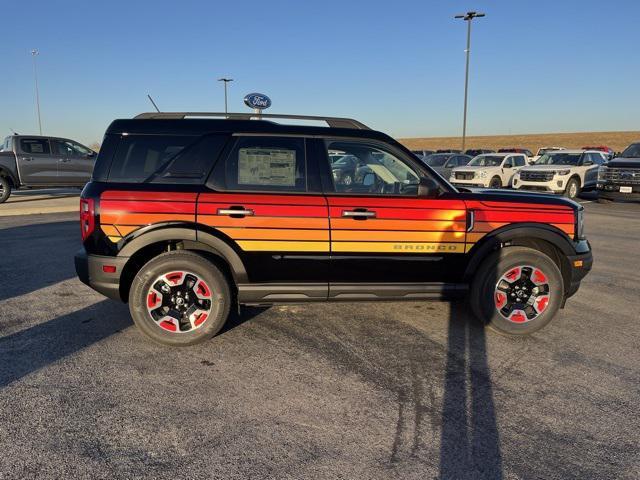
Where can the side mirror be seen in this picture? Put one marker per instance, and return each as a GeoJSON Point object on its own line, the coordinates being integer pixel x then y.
{"type": "Point", "coordinates": [587, 163]}
{"type": "Point", "coordinates": [428, 188]}
{"type": "Point", "coordinates": [508, 165]}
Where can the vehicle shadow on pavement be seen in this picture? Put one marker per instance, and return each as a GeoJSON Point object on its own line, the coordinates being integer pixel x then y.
{"type": "Point", "coordinates": [36, 256]}
{"type": "Point", "coordinates": [469, 441]}
{"type": "Point", "coordinates": [36, 347]}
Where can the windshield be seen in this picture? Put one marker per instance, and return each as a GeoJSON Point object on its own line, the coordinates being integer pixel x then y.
{"type": "Point", "coordinates": [542, 151]}
{"type": "Point", "coordinates": [632, 151]}
{"type": "Point", "coordinates": [559, 159]}
{"type": "Point", "coordinates": [436, 160]}
{"type": "Point", "coordinates": [486, 161]}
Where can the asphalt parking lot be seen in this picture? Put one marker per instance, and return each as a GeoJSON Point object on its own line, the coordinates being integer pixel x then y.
{"type": "Point", "coordinates": [386, 390]}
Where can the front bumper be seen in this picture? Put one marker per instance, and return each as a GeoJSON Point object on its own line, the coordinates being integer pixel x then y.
{"type": "Point", "coordinates": [552, 186]}
{"type": "Point", "coordinates": [612, 192]}
{"type": "Point", "coordinates": [91, 272]}
{"type": "Point", "coordinates": [580, 265]}
{"type": "Point", "coordinates": [469, 183]}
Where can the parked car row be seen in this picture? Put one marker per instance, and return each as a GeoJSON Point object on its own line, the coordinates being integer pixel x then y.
{"type": "Point", "coordinates": [555, 170]}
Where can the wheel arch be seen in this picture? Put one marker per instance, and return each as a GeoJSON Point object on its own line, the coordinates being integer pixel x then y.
{"type": "Point", "coordinates": [547, 239]}
{"type": "Point", "coordinates": [157, 239]}
{"type": "Point", "coordinates": [8, 174]}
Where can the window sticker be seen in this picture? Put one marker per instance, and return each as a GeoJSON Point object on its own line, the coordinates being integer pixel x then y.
{"type": "Point", "coordinates": [265, 166]}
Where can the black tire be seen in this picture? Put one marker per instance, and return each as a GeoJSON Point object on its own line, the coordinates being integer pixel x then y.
{"type": "Point", "coordinates": [495, 183]}
{"type": "Point", "coordinates": [220, 294]}
{"type": "Point", "coordinates": [572, 190]}
{"type": "Point", "coordinates": [5, 189]}
{"type": "Point", "coordinates": [483, 295]}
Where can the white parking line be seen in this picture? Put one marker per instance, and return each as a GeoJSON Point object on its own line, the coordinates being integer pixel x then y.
{"type": "Point", "coordinates": [586, 201]}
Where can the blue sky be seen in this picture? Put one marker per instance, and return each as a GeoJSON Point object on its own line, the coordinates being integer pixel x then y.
{"type": "Point", "coordinates": [536, 65]}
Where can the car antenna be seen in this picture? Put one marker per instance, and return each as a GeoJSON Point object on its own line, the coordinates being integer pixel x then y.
{"type": "Point", "coordinates": [153, 103]}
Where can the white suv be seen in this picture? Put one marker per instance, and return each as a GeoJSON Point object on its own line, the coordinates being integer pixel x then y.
{"type": "Point", "coordinates": [489, 170]}
{"type": "Point", "coordinates": [566, 171]}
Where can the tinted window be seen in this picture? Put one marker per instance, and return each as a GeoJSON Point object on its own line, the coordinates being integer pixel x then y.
{"type": "Point", "coordinates": [35, 145]}
{"type": "Point", "coordinates": [437, 159]}
{"type": "Point", "coordinates": [193, 163]}
{"type": "Point", "coordinates": [378, 172]}
{"type": "Point", "coordinates": [267, 164]}
{"type": "Point", "coordinates": [67, 148]}
{"type": "Point", "coordinates": [559, 159]}
{"type": "Point", "coordinates": [139, 157]}
{"type": "Point", "coordinates": [486, 161]}
{"type": "Point", "coordinates": [520, 161]}
{"type": "Point", "coordinates": [632, 151]}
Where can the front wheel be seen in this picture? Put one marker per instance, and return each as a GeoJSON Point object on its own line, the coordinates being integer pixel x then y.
{"type": "Point", "coordinates": [517, 291]}
{"type": "Point", "coordinates": [573, 188]}
{"type": "Point", "coordinates": [495, 183]}
{"type": "Point", "coordinates": [5, 189]}
{"type": "Point", "coordinates": [179, 299]}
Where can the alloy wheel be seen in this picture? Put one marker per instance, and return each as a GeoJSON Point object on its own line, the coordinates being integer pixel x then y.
{"type": "Point", "coordinates": [179, 301]}
{"type": "Point", "coordinates": [522, 294]}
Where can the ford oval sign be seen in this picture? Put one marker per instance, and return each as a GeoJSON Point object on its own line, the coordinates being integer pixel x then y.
{"type": "Point", "coordinates": [257, 101]}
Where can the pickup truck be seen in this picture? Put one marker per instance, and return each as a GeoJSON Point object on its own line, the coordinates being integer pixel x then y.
{"type": "Point", "coordinates": [35, 161]}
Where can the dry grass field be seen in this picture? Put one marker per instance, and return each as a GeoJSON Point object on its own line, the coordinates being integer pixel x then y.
{"type": "Point", "coordinates": [616, 140]}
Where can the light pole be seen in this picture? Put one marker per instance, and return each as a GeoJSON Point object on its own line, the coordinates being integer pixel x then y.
{"type": "Point", "coordinates": [467, 18]}
{"type": "Point", "coordinates": [34, 54]}
{"type": "Point", "coordinates": [225, 80]}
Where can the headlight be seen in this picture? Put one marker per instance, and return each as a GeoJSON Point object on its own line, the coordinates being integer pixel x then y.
{"type": "Point", "coordinates": [602, 172]}
{"type": "Point", "coordinates": [481, 174]}
{"type": "Point", "coordinates": [563, 172]}
{"type": "Point", "coordinates": [580, 224]}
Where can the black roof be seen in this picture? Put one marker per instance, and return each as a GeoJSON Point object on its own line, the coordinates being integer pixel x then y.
{"type": "Point", "coordinates": [201, 126]}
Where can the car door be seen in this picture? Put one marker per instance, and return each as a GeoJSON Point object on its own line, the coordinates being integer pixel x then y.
{"type": "Point", "coordinates": [75, 162]}
{"type": "Point", "coordinates": [591, 162]}
{"type": "Point", "coordinates": [36, 163]}
{"type": "Point", "coordinates": [265, 198]}
{"type": "Point", "coordinates": [382, 232]}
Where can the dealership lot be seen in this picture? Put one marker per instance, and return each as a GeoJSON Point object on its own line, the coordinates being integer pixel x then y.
{"type": "Point", "coordinates": [386, 390]}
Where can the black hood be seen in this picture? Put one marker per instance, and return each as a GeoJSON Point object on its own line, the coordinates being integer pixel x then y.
{"type": "Point", "coordinates": [516, 196]}
{"type": "Point", "coordinates": [622, 162]}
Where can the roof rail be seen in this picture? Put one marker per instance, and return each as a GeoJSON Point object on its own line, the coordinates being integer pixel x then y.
{"type": "Point", "coordinates": [334, 122]}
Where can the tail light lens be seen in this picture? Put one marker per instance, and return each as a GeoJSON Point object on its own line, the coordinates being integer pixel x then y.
{"type": "Point", "coordinates": [87, 217]}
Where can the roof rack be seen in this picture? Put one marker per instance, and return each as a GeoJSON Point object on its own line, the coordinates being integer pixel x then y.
{"type": "Point", "coordinates": [333, 122]}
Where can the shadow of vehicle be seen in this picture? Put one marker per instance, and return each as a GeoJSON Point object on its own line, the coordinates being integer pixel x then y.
{"type": "Point", "coordinates": [36, 256]}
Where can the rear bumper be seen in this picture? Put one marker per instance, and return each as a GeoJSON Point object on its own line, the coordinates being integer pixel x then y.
{"type": "Point", "coordinates": [580, 265]}
{"type": "Point", "coordinates": [91, 272]}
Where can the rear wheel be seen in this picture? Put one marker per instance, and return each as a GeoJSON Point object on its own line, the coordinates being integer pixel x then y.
{"type": "Point", "coordinates": [517, 291]}
{"type": "Point", "coordinates": [573, 188]}
{"type": "Point", "coordinates": [495, 183]}
{"type": "Point", "coordinates": [5, 189]}
{"type": "Point", "coordinates": [179, 299]}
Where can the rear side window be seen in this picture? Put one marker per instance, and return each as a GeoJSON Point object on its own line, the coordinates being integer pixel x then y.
{"type": "Point", "coordinates": [267, 164]}
{"type": "Point", "coordinates": [160, 159]}
{"type": "Point", "coordinates": [35, 145]}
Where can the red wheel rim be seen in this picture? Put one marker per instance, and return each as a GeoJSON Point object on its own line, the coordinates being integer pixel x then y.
{"type": "Point", "coordinates": [522, 294]}
{"type": "Point", "coordinates": [179, 301]}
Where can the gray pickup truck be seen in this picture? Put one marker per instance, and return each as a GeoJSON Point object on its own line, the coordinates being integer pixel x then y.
{"type": "Point", "coordinates": [35, 161]}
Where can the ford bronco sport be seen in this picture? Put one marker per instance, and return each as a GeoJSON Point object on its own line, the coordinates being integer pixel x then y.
{"type": "Point", "coordinates": [186, 217]}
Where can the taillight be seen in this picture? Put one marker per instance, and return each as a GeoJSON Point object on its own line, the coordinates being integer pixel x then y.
{"type": "Point", "coordinates": [87, 217]}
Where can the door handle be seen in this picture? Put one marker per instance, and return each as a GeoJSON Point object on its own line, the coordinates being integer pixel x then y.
{"type": "Point", "coordinates": [359, 213]}
{"type": "Point", "coordinates": [63, 160]}
{"type": "Point", "coordinates": [27, 159]}
{"type": "Point", "coordinates": [235, 212]}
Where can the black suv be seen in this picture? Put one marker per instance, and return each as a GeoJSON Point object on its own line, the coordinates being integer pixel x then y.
{"type": "Point", "coordinates": [185, 217]}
